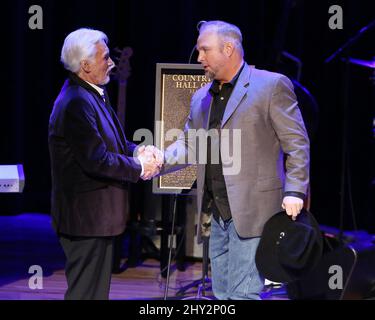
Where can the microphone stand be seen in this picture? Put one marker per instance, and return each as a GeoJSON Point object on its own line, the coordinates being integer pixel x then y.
{"type": "Point", "coordinates": [344, 51]}
{"type": "Point", "coordinates": [200, 283]}
{"type": "Point", "coordinates": [170, 245]}
{"type": "Point", "coordinates": [350, 42]}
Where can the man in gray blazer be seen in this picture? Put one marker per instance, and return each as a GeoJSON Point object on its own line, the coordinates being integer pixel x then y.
{"type": "Point", "coordinates": [252, 115]}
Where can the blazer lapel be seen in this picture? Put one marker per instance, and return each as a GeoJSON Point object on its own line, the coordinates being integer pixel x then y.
{"type": "Point", "coordinates": [237, 95]}
{"type": "Point", "coordinates": [206, 110]}
{"type": "Point", "coordinates": [120, 130]}
{"type": "Point", "coordinates": [117, 123]}
{"type": "Point", "coordinates": [106, 112]}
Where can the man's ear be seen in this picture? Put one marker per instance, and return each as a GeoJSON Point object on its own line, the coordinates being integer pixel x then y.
{"type": "Point", "coordinates": [228, 49]}
{"type": "Point", "coordinates": [85, 65]}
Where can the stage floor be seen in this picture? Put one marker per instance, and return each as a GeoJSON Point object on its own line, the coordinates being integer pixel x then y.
{"type": "Point", "coordinates": [28, 240]}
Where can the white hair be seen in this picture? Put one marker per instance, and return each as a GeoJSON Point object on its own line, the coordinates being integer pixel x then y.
{"type": "Point", "coordinates": [80, 45]}
{"type": "Point", "coordinates": [226, 31]}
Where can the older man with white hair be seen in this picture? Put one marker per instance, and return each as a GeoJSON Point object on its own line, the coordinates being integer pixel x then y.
{"type": "Point", "coordinates": [91, 161]}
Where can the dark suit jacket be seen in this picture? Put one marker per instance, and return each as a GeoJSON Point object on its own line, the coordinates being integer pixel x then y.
{"type": "Point", "coordinates": [91, 161]}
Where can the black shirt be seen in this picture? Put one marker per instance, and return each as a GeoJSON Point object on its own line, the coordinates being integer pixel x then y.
{"type": "Point", "coordinates": [216, 190]}
{"type": "Point", "coordinates": [220, 99]}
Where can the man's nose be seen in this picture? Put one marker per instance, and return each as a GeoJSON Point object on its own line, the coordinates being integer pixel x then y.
{"type": "Point", "coordinates": [200, 57]}
{"type": "Point", "coordinates": [111, 64]}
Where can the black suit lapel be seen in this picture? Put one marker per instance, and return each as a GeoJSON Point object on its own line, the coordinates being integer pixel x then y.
{"type": "Point", "coordinates": [77, 80]}
{"type": "Point", "coordinates": [120, 131]}
{"type": "Point", "coordinates": [105, 107]}
{"type": "Point", "coordinates": [116, 122]}
{"type": "Point", "coordinates": [110, 116]}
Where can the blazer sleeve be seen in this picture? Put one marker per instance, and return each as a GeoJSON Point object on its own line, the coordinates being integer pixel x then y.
{"type": "Point", "coordinates": [290, 129]}
{"type": "Point", "coordinates": [182, 152]}
{"type": "Point", "coordinates": [89, 149]}
{"type": "Point", "coordinates": [131, 147]}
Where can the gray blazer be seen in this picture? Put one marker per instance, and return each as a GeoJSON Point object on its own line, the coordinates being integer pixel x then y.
{"type": "Point", "coordinates": [264, 107]}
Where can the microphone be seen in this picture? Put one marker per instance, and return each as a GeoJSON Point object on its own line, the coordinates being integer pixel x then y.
{"type": "Point", "coordinates": [192, 52]}
{"type": "Point", "coordinates": [199, 24]}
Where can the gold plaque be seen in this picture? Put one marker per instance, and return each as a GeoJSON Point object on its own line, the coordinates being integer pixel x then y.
{"type": "Point", "coordinates": [175, 85]}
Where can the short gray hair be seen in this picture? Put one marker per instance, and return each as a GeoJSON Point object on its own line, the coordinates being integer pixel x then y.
{"type": "Point", "coordinates": [226, 31]}
{"type": "Point", "coordinates": [80, 45]}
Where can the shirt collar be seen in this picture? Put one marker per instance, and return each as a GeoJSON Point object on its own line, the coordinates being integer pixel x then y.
{"type": "Point", "coordinates": [216, 84]}
{"type": "Point", "coordinates": [97, 88]}
{"type": "Point", "coordinates": [235, 78]}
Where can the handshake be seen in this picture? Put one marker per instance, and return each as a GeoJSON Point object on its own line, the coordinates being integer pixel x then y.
{"type": "Point", "coordinates": [152, 160]}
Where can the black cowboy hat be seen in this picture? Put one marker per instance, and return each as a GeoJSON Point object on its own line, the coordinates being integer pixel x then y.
{"type": "Point", "coordinates": [289, 249]}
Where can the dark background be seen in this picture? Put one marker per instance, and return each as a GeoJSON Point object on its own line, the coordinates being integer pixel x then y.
{"type": "Point", "coordinates": [165, 31]}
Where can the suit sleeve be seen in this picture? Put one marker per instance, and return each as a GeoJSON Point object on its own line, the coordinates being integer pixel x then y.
{"type": "Point", "coordinates": [182, 152]}
{"type": "Point", "coordinates": [131, 147]}
{"type": "Point", "coordinates": [288, 124]}
{"type": "Point", "coordinates": [89, 149]}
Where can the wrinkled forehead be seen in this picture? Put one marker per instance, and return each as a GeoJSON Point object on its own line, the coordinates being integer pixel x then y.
{"type": "Point", "coordinates": [208, 38]}
{"type": "Point", "coordinates": [102, 48]}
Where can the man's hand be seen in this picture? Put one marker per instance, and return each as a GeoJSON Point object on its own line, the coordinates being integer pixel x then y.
{"type": "Point", "coordinates": [152, 159]}
{"type": "Point", "coordinates": [158, 154]}
{"type": "Point", "coordinates": [292, 206]}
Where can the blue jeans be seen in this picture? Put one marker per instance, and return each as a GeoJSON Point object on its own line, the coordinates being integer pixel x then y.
{"type": "Point", "coordinates": [233, 270]}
